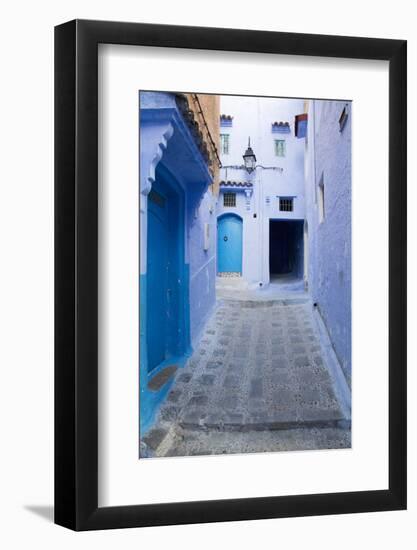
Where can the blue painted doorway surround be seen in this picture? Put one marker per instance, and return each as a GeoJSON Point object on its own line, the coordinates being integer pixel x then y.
{"type": "Point", "coordinates": [229, 243]}
{"type": "Point", "coordinates": [167, 283]}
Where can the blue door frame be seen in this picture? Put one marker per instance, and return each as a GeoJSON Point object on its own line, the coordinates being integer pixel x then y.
{"type": "Point", "coordinates": [229, 243]}
{"type": "Point", "coordinates": [166, 272]}
{"type": "Point", "coordinates": [164, 292]}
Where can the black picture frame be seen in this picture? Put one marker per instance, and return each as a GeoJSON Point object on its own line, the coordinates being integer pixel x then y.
{"type": "Point", "coordinates": [76, 274]}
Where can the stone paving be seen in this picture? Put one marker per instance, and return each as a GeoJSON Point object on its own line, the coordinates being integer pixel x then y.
{"type": "Point", "coordinates": [256, 380]}
{"type": "Point", "coordinates": [197, 443]}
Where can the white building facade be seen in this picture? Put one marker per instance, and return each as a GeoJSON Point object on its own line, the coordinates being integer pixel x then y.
{"type": "Point", "coordinates": [269, 200]}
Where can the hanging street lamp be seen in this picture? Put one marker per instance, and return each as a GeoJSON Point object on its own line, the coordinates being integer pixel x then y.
{"type": "Point", "coordinates": [249, 159]}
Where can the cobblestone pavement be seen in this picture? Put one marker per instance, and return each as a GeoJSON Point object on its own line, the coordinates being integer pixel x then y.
{"type": "Point", "coordinates": [256, 382]}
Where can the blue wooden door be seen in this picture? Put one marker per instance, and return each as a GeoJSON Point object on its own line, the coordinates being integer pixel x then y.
{"type": "Point", "coordinates": [157, 278]}
{"type": "Point", "coordinates": [229, 244]}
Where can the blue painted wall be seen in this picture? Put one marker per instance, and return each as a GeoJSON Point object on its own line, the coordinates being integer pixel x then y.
{"type": "Point", "coordinates": [202, 263]}
{"type": "Point", "coordinates": [328, 161]}
{"type": "Point", "coordinates": [150, 401]}
{"type": "Point", "coordinates": [172, 165]}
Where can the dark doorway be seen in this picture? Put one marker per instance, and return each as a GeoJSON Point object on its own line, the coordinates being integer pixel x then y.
{"type": "Point", "coordinates": [286, 248]}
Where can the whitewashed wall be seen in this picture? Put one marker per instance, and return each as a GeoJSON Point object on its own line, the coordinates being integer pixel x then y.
{"type": "Point", "coordinates": [253, 117]}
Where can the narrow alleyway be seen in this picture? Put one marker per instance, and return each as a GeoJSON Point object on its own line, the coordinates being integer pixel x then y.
{"type": "Point", "coordinates": [258, 381]}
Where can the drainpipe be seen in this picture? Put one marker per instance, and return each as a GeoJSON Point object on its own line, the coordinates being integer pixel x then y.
{"type": "Point", "coordinates": [260, 195]}
{"type": "Point", "coordinates": [313, 254]}
{"type": "Point", "coordinates": [314, 149]}
{"type": "Point", "coordinates": [261, 221]}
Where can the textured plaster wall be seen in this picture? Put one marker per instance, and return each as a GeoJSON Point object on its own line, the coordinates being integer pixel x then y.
{"type": "Point", "coordinates": [200, 211]}
{"type": "Point", "coordinates": [202, 264]}
{"type": "Point", "coordinates": [328, 159]}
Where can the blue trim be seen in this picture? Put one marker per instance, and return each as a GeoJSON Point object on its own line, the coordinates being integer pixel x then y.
{"type": "Point", "coordinates": [235, 188]}
{"type": "Point", "coordinates": [287, 219]}
{"type": "Point", "coordinates": [281, 130]}
{"type": "Point", "coordinates": [228, 214]}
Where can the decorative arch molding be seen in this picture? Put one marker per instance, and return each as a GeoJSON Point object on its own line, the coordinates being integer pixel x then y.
{"type": "Point", "coordinates": [162, 123]}
{"type": "Point", "coordinates": [159, 151]}
{"type": "Point", "coordinates": [154, 140]}
{"type": "Point", "coordinates": [229, 215]}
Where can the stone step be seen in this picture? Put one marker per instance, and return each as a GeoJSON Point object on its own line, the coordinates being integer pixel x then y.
{"type": "Point", "coordinates": [204, 443]}
{"type": "Point", "coordinates": [264, 303]}
{"type": "Point", "coordinates": [282, 420]}
{"type": "Point", "coordinates": [162, 377]}
{"type": "Point", "coordinates": [192, 439]}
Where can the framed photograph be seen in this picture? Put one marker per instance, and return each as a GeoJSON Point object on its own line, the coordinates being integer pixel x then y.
{"type": "Point", "coordinates": [230, 252]}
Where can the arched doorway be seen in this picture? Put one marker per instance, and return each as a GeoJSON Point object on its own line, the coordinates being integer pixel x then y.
{"type": "Point", "coordinates": [229, 244]}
